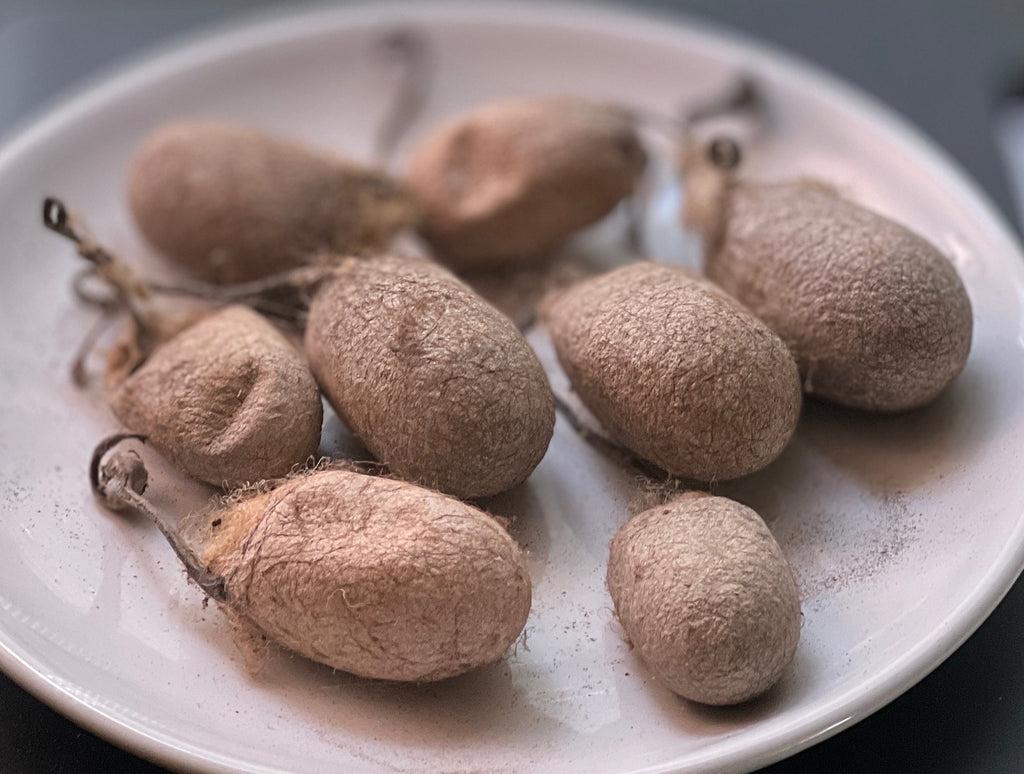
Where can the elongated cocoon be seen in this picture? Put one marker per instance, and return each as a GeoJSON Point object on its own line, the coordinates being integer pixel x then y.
{"type": "Point", "coordinates": [677, 371]}
{"type": "Point", "coordinates": [231, 204]}
{"type": "Point", "coordinates": [511, 180]}
{"type": "Point", "coordinates": [876, 317]}
{"type": "Point", "coordinates": [437, 383]}
{"type": "Point", "coordinates": [373, 576]}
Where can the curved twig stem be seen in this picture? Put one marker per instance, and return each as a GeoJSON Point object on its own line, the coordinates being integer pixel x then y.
{"type": "Point", "coordinates": [86, 346]}
{"type": "Point", "coordinates": [291, 285]}
{"type": "Point", "coordinates": [128, 290]}
{"type": "Point", "coordinates": [300, 279]}
{"type": "Point", "coordinates": [106, 299]}
{"type": "Point", "coordinates": [112, 286]}
{"type": "Point", "coordinates": [115, 483]}
{"type": "Point", "coordinates": [417, 62]}
{"type": "Point", "coordinates": [59, 219]}
{"type": "Point", "coordinates": [285, 295]}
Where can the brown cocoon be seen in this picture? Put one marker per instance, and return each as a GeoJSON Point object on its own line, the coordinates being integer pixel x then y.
{"type": "Point", "coordinates": [231, 204]}
{"type": "Point", "coordinates": [877, 318]}
{"type": "Point", "coordinates": [707, 598]}
{"type": "Point", "coordinates": [677, 371]}
{"type": "Point", "coordinates": [512, 180]}
{"type": "Point", "coordinates": [438, 384]}
{"type": "Point", "coordinates": [228, 400]}
{"type": "Point", "coordinates": [373, 576]}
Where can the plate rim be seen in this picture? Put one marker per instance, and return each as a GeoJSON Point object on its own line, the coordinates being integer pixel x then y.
{"type": "Point", "coordinates": [252, 30]}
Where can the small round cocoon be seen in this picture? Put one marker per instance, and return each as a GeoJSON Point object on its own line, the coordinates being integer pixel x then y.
{"type": "Point", "coordinates": [509, 181]}
{"type": "Point", "coordinates": [438, 384]}
{"type": "Point", "coordinates": [706, 596]}
{"type": "Point", "coordinates": [876, 317]}
{"type": "Point", "coordinates": [228, 400]}
{"type": "Point", "coordinates": [376, 577]}
{"type": "Point", "coordinates": [677, 371]}
{"type": "Point", "coordinates": [231, 204]}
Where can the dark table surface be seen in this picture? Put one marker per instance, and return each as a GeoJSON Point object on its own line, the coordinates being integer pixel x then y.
{"type": "Point", "coordinates": [946, 65]}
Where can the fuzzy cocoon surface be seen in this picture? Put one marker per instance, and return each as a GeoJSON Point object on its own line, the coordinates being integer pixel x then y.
{"type": "Point", "coordinates": [677, 371]}
{"type": "Point", "coordinates": [512, 180]}
{"type": "Point", "coordinates": [373, 576]}
{"type": "Point", "coordinates": [231, 204]}
{"type": "Point", "coordinates": [877, 318]}
{"type": "Point", "coordinates": [228, 400]}
{"type": "Point", "coordinates": [438, 384]}
{"type": "Point", "coordinates": [706, 597]}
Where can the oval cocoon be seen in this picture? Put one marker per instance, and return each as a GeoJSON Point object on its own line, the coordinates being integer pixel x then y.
{"type": "Point", "coordinates": [706, 597]}
{"type": "Point", "coordinates": [231, 204]}
{"type": "Point", "coordinates": [373, 576]}
{"type": "Point", "coordinates": [511, 180]}
{"type": "Point", "coordinates": [438, 384]}
{"type": "Point", "coordinates": [876, 317]}
{"type": "Point", "coordinates": [228, 400]}
{"type": "Point", "coordinates": [677, 371]}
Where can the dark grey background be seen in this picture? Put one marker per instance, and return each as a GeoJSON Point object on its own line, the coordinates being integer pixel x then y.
{"type": "Point", "coordinates": [945, 65]}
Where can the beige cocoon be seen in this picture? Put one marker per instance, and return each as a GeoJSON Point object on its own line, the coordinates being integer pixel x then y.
{"type": "Point", "coordinates": [511, 180]}
{"type": "Point", "coordinates": [438, 384]}
{"type": "Point", "coordinates": [228, 400]}
{"type": "Point", "coordinates": [706, 597]}
{"type": "Point", "coordinates": [677, 371]}
{"type": "Point", "coordinates": [373, 576]}
{"type": "Point", "coordinates": [876, 317]}
{"type": "Point", "coordinates": [231, 204]}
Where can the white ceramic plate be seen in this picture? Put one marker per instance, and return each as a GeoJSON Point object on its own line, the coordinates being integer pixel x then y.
{"type": "Point", "coordinates": [905, 531]}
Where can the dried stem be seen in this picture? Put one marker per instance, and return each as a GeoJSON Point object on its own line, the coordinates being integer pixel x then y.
{"type": "Point", "coordinates": [120, 482]}
{"type": "Point", "coordinates": [88, 343]}
{"type": "Point", "coordinates": [285, 295]}
{"type": "Point", "coordinates": [417, 63]}
{"type": "Point", "coordinates": [128, 291]}
{"type": "Point", "coordinates": [636, 212]}
{"type": "Point", "coordinates": [618, 453]}
{"type": "Point", "coordinates": [724, 153]}
{"type": "Point", "coordinates": [101, 296]}
{"type": "Point", "coordinates": [111, 286]}
{"type": "Point", "coordinates": [58, 219]}
{"type": "Point", "coordinates": [744, 96]}
{"type": "Point", "coordinates": [128, 288]}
